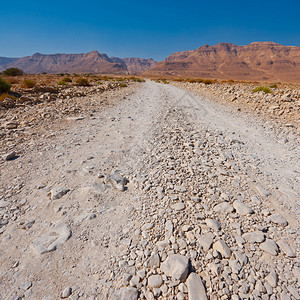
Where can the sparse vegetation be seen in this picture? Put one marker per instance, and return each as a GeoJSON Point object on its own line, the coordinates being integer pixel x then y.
{"type": "Point", "coordinates": [4, 86]}
{"type": "Point", "coordinates": [273, 86]}
{"type": "Point", "coordinates": [123, 85]}
{"type": "Point", "coordinates": [198, 80]}
{"type": "Point", "coordinates": [13, 72]}
{"type": "Point", "coordinates": [6, 95]}
{"type": "Point", "coordinates": [27, 83]}
{"type": "Point", "coordinates": [264, 89]}
{"type": "Point", "coordinates": [82, 81]}
{"type": "Point", "coordinates": [61, 82]}
{"type": "Point", "coordinates": [75, 75]}
{"type": "Point", "coordinates": [67, 79]}
{"type": "Point", "coordinates": [207, 81]}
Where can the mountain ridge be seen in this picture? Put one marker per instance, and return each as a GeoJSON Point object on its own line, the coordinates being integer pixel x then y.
{"type": "Point", "coordinates": [262, 61]}
{"type": "Point", "coordinates": [90, 62]}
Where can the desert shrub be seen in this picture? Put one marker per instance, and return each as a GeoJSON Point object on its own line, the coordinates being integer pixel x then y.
{"type": "Point", "coordinates": [12, 80]}
{"type": "Point", "coordinates": [44, 73]}
{"type": "Point", "coordinates": [123, 85]}
{"type": "Point", "coordinates": [4, 86]}
{"type": "Point", "coordinates": [273, 86]}
{"type": "Point", "coordinates": [61, 74]}
{"type": "Point", "coordinates": [197, 80]}
{"type": "Point", "coordinates": [6, 95]}
{"type": "Point", "coordinates": [61, 82]}
{"type": "Point", "coordinates": [207, 81]}
{"type": "Point", "coordinates": [165, 81]}
{"type": "Point", "coordinates": [75, 75]}
{"type": "Point", "coordinates": [27, 83]}
{"type": "Point", "coordinates": [67, 79]}
{"type": "Point", "coordinates": [13, 72]}
{"type": "Point", "coordinates": [264, 89]}
{"type": "Point", "coordinates": [82, 82]}
{"type": "Point", "coordinates": [178, 79]}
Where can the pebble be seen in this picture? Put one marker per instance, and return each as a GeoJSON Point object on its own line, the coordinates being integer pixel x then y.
{"type": "Point", "coordinates": [66, 292]}
{"type": "Point", "coordinates": [178, 206]}
{"type": "Point", "coordinates": [26, 285]}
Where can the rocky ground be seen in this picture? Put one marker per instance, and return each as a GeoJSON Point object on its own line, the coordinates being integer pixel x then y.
{"type": "Point", "coordinates": [161, 195]}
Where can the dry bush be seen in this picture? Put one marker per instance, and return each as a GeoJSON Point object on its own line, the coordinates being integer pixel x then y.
{"type": "Point", "coordinates": [27, 83]}
{"type": "Point", "coordinates": [6, 95]}
{"type": "Point", "coordinates": [82, 82]}
{"type": "Point", "coordinates": [4, 86]}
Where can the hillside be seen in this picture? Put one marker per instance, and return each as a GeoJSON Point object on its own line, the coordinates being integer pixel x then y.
{"type": "Point", "coordinates": [257, 61]}
{"type": "Point", "coordinates": [92, 62]}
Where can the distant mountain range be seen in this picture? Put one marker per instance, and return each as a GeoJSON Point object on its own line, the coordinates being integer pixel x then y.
{"type": "Point", "coordinates": [259, 61]}
{"type": "Point", "coordinates": [92, 62]}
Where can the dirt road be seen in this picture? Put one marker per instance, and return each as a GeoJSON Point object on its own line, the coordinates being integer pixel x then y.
{"type": "Point", "coordinates": [98, 209]}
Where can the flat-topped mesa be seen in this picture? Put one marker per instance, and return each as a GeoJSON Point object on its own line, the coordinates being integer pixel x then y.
{"type": "Point", "coordinates": [258, 61]}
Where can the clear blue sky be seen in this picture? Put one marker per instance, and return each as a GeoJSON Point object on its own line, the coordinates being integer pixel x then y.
{"type": "Point", "coordinates": [142, 28]}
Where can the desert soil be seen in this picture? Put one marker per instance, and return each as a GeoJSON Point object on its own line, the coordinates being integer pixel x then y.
{"type": "Point", "coordinates": [161, 194]}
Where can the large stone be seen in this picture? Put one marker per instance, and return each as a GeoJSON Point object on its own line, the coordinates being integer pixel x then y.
{"type": "Point", "coordinates": [272, 278]}
{"type": "Point", "coordinates": [58, 192]}
{"type": "Point", "coordinates": [125, 293]}
{"type": "Point", "coordinates": [254, 237]}
{"type": "Point", "coordinates": [9, 155]}
{"type": "Point", "coordinates": [117, 180]}
{"type": "Point", "coordinates": [155, 281]}
{"type": "Point", "coordinates": [51, 240]}
{"type": "Point", "coordinates": [213, 224]}
{"type": "Point", "coordinates": [176, 266]}
{"type": "Point", "coordinates": [222, 248]}
{"type": "Point", "coordinates": [206, 240]}
{"type": "Point", "coordinates": [196, 289]}
{"type": "Point", "coordinates": [223, 207]}
{"type": "Point", "coordinates": [286, 249]}
{"type": "Point", "coordinates": [178, 206]}
{"type": "Point", "coordinates": [270, 247]}
{"type": "Point", "coordinates": [278, 219]}
{"type": "Point", "coordinates": [242, 208]}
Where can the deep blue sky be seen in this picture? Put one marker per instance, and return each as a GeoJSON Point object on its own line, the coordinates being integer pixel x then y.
{"type": "Point", "coordinates": [142, 29]}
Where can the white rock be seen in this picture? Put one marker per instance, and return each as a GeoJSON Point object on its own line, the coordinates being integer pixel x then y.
{"type": "Point", "coordinates": [66, 292]}
{"type": "Point", "coordinates": [178, 206]}
{"type": "Point", "coordinates": [155, 281]}
{"type": "Point", "coordinates": [286, 249]}
{"type": "Point", "coordinates": [206, 240]}
{"type": "Point", "coordinates": [254, 237]}
{"type": "Point", "coordinates": [270, 247]}
{"type": "Point", "coordinates": [196, 290]}
{"type": "Point", "coordinates": [222, 248]}
{"type": "Point", "coordinates": [213, 224]}
{"type": "Point", "coordinates": [272, 278]}
{"type": "Point", "coordinates": [51, 240]}
{"type": "Point", "coordinates": [58, 192]}
{"type": "Point", "coordinates": [125, 293]}
{"type": "Point", "coordinates": [223, 207]}
{"type": "Point", "coordinates": [176, 266]}
{"type": "Point", "coordinates": [278, 219]}
{"type": "Point", "coordinates": [241, 208]}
